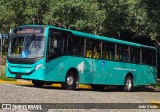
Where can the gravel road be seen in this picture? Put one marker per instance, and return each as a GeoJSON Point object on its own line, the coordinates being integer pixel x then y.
{"type": "Point", "coordinates": [28, 94]}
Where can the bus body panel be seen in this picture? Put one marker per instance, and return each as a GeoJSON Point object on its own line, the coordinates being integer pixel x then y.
{"type": "Point", "coordinates": [90, 71]}
{"type": "Point", "coordinates": [26, 71]}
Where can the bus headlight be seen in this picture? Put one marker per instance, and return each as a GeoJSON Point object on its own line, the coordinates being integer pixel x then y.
{"type": "Point", "coordinates": [38, 66]}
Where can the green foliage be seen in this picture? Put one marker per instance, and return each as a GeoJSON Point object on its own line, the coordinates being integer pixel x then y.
{"type": "Point", "coordinates": [157, 86]}
{"type": "Point", "coordinates": [153, 15]}
{"type": "Point", "coordinates": [103, 17]}
{"type": "Point", "coordinates": [82, 15]}
{"type": "Point", "coordinates": [3, 76]}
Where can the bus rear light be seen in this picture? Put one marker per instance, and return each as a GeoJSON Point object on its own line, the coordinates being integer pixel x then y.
{"type": "Point", "coordinates": [38, 66]}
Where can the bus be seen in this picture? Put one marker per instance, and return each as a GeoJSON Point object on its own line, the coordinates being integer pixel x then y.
{"type": "Point", "coordinates": [49, 54]}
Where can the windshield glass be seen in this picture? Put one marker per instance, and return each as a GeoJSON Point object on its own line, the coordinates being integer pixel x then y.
{"type": "Point", "coordinates": [27, 46]}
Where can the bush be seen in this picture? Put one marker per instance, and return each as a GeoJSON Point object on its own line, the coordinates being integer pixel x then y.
{"type": "Point", "coordinates": [3, 60]}
{"type": "Point", "coordinates": [3, 75]}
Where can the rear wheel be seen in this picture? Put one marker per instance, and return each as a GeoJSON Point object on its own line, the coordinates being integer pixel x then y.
{"type": "Point", "coordinates": [70, 81]}
{"type": "Point", "coordinates": [37, 83]}
{"type": "Point", "coordinates": [128, 85]}
{"type": "Point", "coordinates": [97, 87]}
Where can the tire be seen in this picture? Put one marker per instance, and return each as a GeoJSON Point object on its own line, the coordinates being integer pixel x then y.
{"type": "Point", "coordinates": [70, 81]}
{"type": "Point", "coordinates": [37, 83]}
{"type": "Point", "coordinates": [128, 85]}
{"type": "Point", "coordinates": [97, 87]}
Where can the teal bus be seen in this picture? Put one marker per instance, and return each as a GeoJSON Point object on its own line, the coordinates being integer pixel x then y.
{"type": "Point", "coordinates": [49, 54]}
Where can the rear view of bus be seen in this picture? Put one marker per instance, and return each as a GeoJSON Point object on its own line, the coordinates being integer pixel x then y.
{"type": "Point", "coordinates": [26, 53]}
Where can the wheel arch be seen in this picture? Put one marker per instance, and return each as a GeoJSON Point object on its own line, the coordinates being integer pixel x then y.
{"type": "Point", "coordinates": [75, 71]}
{"type": "Point", "coordinates": [129, 74]}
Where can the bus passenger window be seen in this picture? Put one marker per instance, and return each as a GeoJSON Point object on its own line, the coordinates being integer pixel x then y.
{"type": "Point", "coordinates": [108, 51]}
{"type": "Point", "coordinates": [125, 54]}
{"type": "Point", "coordinates": [75, 46]}
{"type": "Point", "coordinates": [105, 51]}
{"type": "Point", "coordinates": [148, 56]}
{"type": "Point", "coordinates": [88, 49]}
{"type": "Point", "coordinates": [118, 55]}
{"type": "Point", "coordinates": [95, 53]}
{"type": "Point", "coordinates": [152, 56]}
{"type": "Point", "coordinates": [93, 49]}
{"type": "Point", "coordinates": [135, 55]}
{"type": "Point", "coordinates": [122, 53]}
{"type": "Point", "coordinates": [112, 51]}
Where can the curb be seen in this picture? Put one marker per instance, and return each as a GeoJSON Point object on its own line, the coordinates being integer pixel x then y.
{"type": "Point", "coordinates": [16, 82]}
{"type": "Point", "coordinates": [24, 82]}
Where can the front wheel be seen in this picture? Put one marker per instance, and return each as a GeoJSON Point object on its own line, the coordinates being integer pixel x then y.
{"type": "Point", "coordinates": [70, 81]}
{"type": "Point", "coordinates": [37, 83]}
{"type": "Point", "coordinates": [128, 85]}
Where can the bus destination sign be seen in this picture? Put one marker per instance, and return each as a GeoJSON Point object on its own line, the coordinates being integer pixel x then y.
{"type": "Point", "coordinates": [29, 30]}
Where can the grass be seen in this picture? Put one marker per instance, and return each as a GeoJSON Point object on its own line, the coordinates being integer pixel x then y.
{"type": "Point", "coordinates": [157, 86]}
{"type": "Point", "coordinates": [3, 74]}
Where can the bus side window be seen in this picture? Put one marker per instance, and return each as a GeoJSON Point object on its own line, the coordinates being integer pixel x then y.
{"type": "Point", "coordinates": [105, 51]}
{"type": "Point", "coordinates": [93, 49]}
{"type": "Point", "coordinates": [112, 51]}
{"type": "Point", "coordinates": [118, 55]}
{"type": "Point", "coordinates": [122, 53]}
{"type": "Point", "coordinates": [80, 47]}
{"type": "Point", "coordinates": [95, 52]}
{"type": "Point", "coordinates": [148, 56]}
{"type": "Point", "coordinates": [135, 55]}
{"type": "Point", "coordinates": [75, 46]}
{"type": "Point", "coordinates": [152, 56]}
{"type": "Point", "coordinates": [108, 51]}
{"type": "Point", "coordinates": [50, 49]}
{"type": "Point", "coordinates": [88, 49]}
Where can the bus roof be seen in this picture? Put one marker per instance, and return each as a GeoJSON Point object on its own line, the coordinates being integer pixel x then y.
{"type": "Point", "coordinates": [92, 36]}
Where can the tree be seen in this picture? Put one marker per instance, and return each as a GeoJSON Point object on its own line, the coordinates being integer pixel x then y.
{"type": "Point", "coordinates": [153, 14]}
{"type": "Point", "coordinates": [81, 15]}
{"type": "Point", "coordinates": [19, 12]}
{"type": "Point", "coordinates": [114, 18]}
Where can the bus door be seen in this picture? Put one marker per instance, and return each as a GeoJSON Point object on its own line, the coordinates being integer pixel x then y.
{"type": "Point", "coordinates": [92, 68]}
{"type": "Point", "coordinates": [88, 71]}
{"type": "Point", "coordinates": [54, 54]}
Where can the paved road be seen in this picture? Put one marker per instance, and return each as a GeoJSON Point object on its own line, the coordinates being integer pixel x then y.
{"type": "Point", "coordinates": [49, 94]}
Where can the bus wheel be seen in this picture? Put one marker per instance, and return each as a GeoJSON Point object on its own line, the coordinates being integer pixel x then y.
{"type": "Point", "coordinates": [37, 83]}
{"type": "Point", "coordinates": [128, 85]}
{"type": "Point", "coordinates": [70, 81]}
{"type": "Point", "coordinates": [97, 87]}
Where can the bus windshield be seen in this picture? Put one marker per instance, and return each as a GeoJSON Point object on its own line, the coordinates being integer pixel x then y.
{"type": "Point", "coordinates": [31, 46]}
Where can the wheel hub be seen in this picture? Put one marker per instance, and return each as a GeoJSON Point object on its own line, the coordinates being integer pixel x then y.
{"type": "Point", "coordinates": [69, 80]}
{"type": "Point", "coordinates": [128, 84]}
